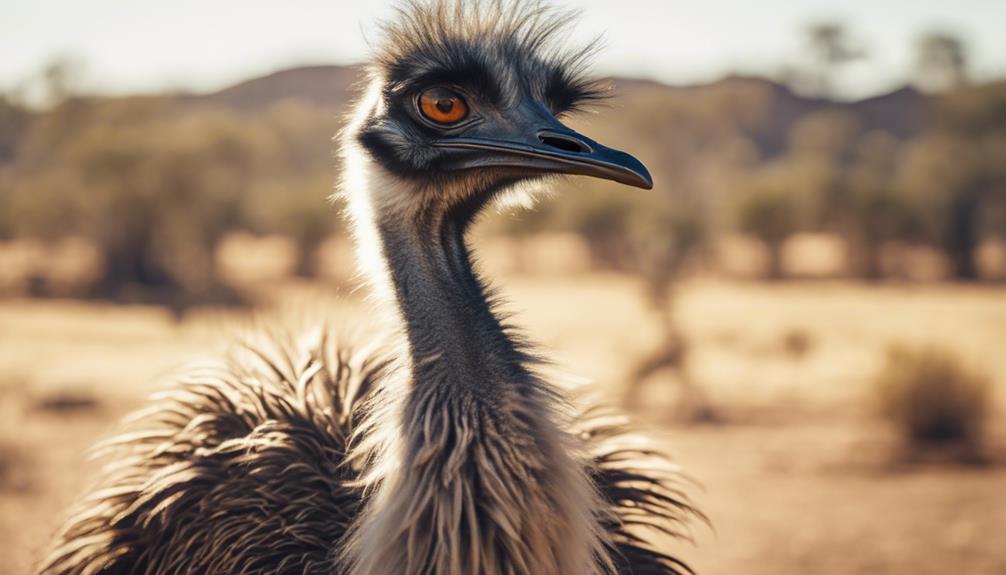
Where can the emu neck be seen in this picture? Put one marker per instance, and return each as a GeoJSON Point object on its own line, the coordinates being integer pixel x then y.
{"type": "Point", "coordinates": [472, 472]}
{"type": "Point", "coordinates": [455, 339]}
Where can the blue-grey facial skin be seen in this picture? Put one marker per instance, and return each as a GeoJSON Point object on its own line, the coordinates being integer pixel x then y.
{"type": "Point", "coordinates": [526, 137]}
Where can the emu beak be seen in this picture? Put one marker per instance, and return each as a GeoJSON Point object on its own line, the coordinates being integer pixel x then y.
{"type": "Point", "coordinates": [544, 145]}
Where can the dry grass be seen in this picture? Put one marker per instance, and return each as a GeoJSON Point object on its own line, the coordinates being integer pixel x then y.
{"type": "Point", "coordinates": [934, 401]}
{"type": "Point", "coordinates": [795, 476]}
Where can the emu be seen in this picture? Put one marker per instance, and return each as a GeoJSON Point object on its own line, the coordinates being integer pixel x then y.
{"type": "Point", "coordinates": [440, 448]}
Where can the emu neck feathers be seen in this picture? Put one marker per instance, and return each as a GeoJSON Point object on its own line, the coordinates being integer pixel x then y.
{"type": "Point", "coordinates": [455, 339]}
{"type": "Point", "coordinates": [472, 471]}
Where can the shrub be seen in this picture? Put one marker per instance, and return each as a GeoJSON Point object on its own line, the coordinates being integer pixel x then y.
{"type": "Point", "coordinates": [768, 212]}
{"type": "Point", "coordinates": [933, 399]}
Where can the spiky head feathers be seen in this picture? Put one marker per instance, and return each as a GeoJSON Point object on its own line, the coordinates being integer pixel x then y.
{"type": "Point", "coordinates": [496, 56]}
{"type": "Point", "coordinates": [502, 49]}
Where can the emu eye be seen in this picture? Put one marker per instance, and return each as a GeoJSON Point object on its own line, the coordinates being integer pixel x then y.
{"type": "Point", "coordinates": [442, 106]}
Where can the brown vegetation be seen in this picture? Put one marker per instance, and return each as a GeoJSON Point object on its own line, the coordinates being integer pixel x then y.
{"type": "Point", "coordinates": [934, 401]}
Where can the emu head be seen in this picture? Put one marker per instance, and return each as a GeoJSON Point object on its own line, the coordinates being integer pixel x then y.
{"type": "Point", "coordinates": [466, 100]}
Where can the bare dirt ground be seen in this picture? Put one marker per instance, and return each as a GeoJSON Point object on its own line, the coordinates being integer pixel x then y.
{"type": "Point", "coordinates": [797, 477]}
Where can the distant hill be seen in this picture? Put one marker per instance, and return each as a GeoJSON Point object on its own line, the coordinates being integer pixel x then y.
{"type": "Point", "coordinates": [325, 86]}
{"type": "Point", "coordinates": [902, 113]}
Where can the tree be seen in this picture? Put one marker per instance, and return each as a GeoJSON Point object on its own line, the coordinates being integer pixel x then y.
{"type": "Point", "coordinates": [60, 81]}
{"type": "Point", "coordinates": [830, 49]}
{"type": "Point", "coordinates": [297, 209]}
{"type": "Point", "coordinates": [14, 121]}
{"type": "Point", "coordinates": [662, 237]}
{"type": "Point", "coordinates": [291, 198]}
{"type": "Point", "coordinates": [955, 172]}
{"type": "Point", "coordinates": [951, 179]}
{"type": "Point", "coordinates": [940, 61]}
{"type": "Point", "coordinates": [155, 195]}
{"type": "Point", "coordinates": [768, 210]}
{"type": "Point", "coordinates": [652, 235]}
{"type": "Point", "coordinates": [873, 210]}
{"type": "Point", "coordinates": [6, 215]}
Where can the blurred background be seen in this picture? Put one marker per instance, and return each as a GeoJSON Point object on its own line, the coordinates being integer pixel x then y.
{"type": "Point", "coordinates": [809, 308]}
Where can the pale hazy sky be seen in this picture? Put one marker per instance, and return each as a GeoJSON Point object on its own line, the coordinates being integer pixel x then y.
{"type": "Point", "coordinates": [150, 45]}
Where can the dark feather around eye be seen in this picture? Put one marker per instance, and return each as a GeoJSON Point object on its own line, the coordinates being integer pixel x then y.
{"type": "Point", "coordinates": [464, 71]}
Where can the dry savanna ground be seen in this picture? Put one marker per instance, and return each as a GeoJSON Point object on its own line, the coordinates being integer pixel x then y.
{"type": "Point", "coordinates": [796, 474]}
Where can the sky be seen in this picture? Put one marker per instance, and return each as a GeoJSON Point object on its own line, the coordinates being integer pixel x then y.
{"type": "Point", "coordinates": [131, 46]}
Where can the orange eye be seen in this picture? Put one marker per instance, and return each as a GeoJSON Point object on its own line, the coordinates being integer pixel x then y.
{"type": "Point", "coordinates": [442, 106]}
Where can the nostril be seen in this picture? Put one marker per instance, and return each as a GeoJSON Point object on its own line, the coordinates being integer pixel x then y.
{"type": "Point", "coordinates": [564, 143]}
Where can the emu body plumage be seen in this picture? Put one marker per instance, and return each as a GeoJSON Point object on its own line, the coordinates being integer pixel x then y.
{"type": "Point", "coordinates": [439, 449]}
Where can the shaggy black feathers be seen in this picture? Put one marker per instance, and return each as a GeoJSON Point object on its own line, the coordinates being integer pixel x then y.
{"type": "Point", "coordinates": [241, 470]}
{"type": "Point", "coordinates": [501, 49]}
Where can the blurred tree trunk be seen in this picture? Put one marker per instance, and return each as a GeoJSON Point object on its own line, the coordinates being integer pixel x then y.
{"type": "Point", "coordinates": [307, 250]}
{"type": "Point", "coordinates": [672, 355]}
{"type": "Point", "coordinates": [962, 236]}
{"type": "Point", "coordinates": [871, 269]}
{"type": "Point", "coordinates": [775, 268]}
{"type": "Point", "coordinates": [864, 256]}
{"type": "Point", "coordinates": [131, 265]}
{"type": "Point", "coordinates": [305, 263]}
{"type": "Point", "coordinates": [866, 265]}
{"type": "Point", "coordinates": [672, 350]}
